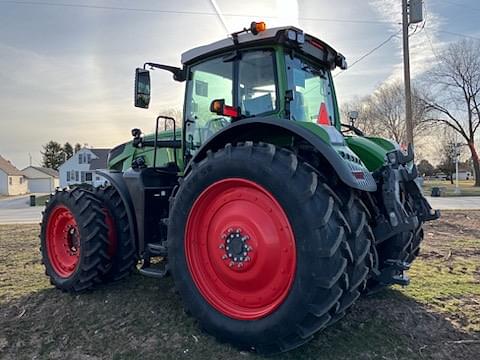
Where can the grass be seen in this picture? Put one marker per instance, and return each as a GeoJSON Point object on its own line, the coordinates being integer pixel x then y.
{"type": "Point", "coordinates": [466, 187]}
{"type": "Point", "coordinates": [40, 200]}
{"type": "Point", "coordinates": [436, 317]}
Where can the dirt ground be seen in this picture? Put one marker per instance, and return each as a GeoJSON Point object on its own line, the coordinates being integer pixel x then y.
{"type": "Point", "coordinates": [436, 317]}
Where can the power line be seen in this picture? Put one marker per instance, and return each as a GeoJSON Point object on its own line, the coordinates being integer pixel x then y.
{"type": "Point", "coordinates": [370, 52]}
{"type": "Point", "coordinates": [461, 5]}
{"type": "Point", "coordinates": [184, 12]}
{"type": "Point", "coordinates": [458, 34]}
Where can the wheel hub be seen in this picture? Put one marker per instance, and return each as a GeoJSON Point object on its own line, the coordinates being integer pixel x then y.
{"type": "Point", "coordinates": [72, 240]}
{"type": "Point", "coordinates": [237, 249]}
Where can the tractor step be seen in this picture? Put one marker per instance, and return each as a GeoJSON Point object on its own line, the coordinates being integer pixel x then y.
{"type": "Point", "coordinates": [157, 249]}
{"type": "Point", "coordinates": [394, 273]}
{"type": "Point", "coordinates": [154, 272]}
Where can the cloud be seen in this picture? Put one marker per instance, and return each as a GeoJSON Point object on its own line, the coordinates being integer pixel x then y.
{"type": "Point", "coordinates": [424, 39]}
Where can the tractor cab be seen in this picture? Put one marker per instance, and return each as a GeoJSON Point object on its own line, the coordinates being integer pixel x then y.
{"type": "Point", "coordinates": [257, 73]}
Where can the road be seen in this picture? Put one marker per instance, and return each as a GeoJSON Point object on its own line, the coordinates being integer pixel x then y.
{"type": "Point", "coordinates": [455, 203]}
{"type": "Point", "coordinates": [17, 210]}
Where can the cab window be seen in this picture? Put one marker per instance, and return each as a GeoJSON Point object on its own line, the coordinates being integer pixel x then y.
{"type": "Point", "coordinates": [312, 93]}
{"type": "Point", "coordinates": [246, 81]}
{"type": "Point", "coordinates": [257, 88]}
{"type": "Point", "coordinates": [210, 80]}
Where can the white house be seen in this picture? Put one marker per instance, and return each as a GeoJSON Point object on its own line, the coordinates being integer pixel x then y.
{"type": "Point", "coordinates": [40, 179]}
{"type": "Point", "coordinates": [463, 175]}
{"type": "Point", "coordinates": [12, 181]}
{"type": "Point", "coordinates": [81, 167]}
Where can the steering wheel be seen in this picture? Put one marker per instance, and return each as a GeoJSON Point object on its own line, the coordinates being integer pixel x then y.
{"type": "Point", "coordinates": [212, 126]}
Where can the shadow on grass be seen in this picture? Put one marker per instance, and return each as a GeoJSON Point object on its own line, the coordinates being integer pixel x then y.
{"type": "Point", "coordinates": [144, 318]}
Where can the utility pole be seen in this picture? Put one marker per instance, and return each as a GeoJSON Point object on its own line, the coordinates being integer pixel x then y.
{"type": "Point", "coordinates": [412, 13]}
{"type": "Point", "coordinates": [406, 73]}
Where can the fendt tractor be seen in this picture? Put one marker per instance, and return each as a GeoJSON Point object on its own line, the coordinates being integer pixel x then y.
{"type": "Point", "coordinates": [271, 215]}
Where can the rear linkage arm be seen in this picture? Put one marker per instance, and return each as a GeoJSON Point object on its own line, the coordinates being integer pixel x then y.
{"type": "Point", "coordinates": [394, 176]}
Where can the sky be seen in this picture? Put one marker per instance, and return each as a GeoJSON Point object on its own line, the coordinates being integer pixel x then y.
{"type": "Point", "coordinates": [67, 66]}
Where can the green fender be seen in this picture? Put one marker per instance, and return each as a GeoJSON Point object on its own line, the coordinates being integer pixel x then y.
{"type": "Point", "coordinates": [326, 140]}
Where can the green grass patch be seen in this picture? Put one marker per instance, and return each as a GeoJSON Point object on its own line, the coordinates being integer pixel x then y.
{"type": "Point", "coordinates": [40, 200]}
{"type": "Point", "coordinates": [466, 188]}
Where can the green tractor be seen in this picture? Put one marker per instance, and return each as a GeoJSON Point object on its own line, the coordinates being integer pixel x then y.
{"type": "Point", "coordinates": [271, 216]}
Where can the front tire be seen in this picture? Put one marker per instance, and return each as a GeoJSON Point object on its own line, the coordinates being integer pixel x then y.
{"type": "Point", "coordinates": [292, 285]}
{"type": "Point", "coordinates": [73, 240]}
{"type": "Point", "coordinates": [121, 247]}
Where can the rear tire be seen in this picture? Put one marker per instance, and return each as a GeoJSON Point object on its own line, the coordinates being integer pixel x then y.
{"type": "Point", "coordinates": [358, 252]}
{"type": "Point", "coordinates": [73, 240]}
{"type": "Point", "coordinates": [312, 215]}
{"type": "Point", "coordinates": [121, 247]}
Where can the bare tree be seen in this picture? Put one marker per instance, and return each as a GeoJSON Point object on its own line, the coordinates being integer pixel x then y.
{"type": "Point", "coordinates": [363, 121]}
{"type": "Point", "coordinates": [175, 113]}
{"type": "Point", "coordinates": [455, 93]}
{"type": "Point", "coordinates": [383, 113]}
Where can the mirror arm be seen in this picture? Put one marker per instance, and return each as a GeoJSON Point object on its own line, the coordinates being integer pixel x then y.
{"type": "Point", "coordinates": [178, 73]}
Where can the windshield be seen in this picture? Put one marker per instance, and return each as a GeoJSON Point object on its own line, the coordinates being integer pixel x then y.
{"type": "Point", "coordinates": [312, 93]}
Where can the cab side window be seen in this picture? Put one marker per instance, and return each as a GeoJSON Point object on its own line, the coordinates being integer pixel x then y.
{"type": "Point", "coordinates": [208, 81]}
{"type": "Point", "coordinates": [257, 88]}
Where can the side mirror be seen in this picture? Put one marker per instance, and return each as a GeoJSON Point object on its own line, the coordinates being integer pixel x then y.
{"type": "Point", "coordinates": [353, 116]}
{"type": "Point", "coordinates": [218, 107]}
{"type": "Point", "coordinates": [142, 88]}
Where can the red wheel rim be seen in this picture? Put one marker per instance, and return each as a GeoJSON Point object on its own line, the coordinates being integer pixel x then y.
{"type": "Point", "coordinates": [240, 249]}
{"type": "Point", "coordinates": [112, 233]}
{"type": "Point", "coordinates": [63, 241]}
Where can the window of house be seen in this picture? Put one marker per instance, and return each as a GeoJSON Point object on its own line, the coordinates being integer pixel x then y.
{"type": "Point", "coordinates": [82, 176]}
{"type": "Point", "coordinates": [80, 158]}
{"type": "Point", "coordinates": [21, 180]}
{"type": "Point", "coordinates": [77, 177]}
{"type": "Point", "coordinates": [89, 158]}
{"type": "Point", "coordinates": [88, 176]}
{"type": "Point", "coordinates": [10, 181]}
{"type": "Point", "coordinates": [68, 175]}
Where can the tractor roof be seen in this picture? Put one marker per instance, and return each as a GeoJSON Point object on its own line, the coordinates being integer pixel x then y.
{"type": "Point", "coordinates": [288, 36]}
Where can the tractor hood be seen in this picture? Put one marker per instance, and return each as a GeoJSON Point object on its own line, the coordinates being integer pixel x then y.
{"type": "Point", "coordinates": [371, 150]}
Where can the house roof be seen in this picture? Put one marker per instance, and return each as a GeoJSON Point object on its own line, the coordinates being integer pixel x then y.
{"type": "Point", "coordinates": [8, 167]}
{"type": "Point", "coordinates": [47, 171]}
{"type": "Point", "coordinates": [101, 162]}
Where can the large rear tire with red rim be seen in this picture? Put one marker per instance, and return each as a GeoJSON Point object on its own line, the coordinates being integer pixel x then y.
{"type": "Point", "coordinates": [73, 240]}
{"type": "Point", "coordinates": [256, 247]}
